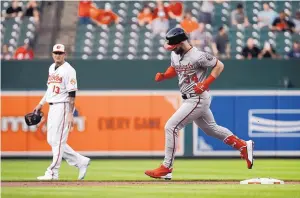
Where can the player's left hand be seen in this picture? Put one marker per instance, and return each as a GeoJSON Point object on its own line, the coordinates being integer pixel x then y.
{"type": "Point", "coordinates": [159, 77]}
{"type": "Point", "coordinates": [200, 87]}
{"type": "Point", "coordinates": [70, 120]}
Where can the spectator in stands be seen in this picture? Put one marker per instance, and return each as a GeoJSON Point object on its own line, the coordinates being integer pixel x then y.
{"type": "Point", "coordinates": [267, 16]}
{"type": "Point", "coordinates": [160, 24]}
{"type": "Point", "coordinates": [283, 24]}
{"type": "Point", "coordinates": [206, 12]}
{"type": "Point", "coordinates": [175, 10]}
{"type": "Point", "coordinates": [296, 21]}
{"type": "Point", "coordinates": [200, 38]}
{"type": "Point", "coordinates": [189, 23]}
{"type": "Point", "coordinates": [145, 16]}
{"type": "Point", "coordinates": [251, 50]}
{"type": "Point", "coordinates": [221, 46]}
{"type": "Point", "coordinates": [104, 17]}
{"type": "Point", "coordinates": [160, 8]}
{"type": "Point", "coordinates": [84, 11]}
{"type": "Point", "coordinates": [5, 55]}
{"type": "Point", "coordinates": [24, 52]}
{"type": "Point", "coordinates": [14, 10]}
{"type": "Point", "coordinates": [268, 52]}
{"type": "Point", "coordinates": [32, 11]}
{"type": "Point", "coordinates": [238, 16]}
{"type": "Point", "coordinates": [295, 52]}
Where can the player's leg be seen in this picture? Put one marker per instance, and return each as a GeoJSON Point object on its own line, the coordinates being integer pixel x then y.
{"type": "Point", "coordinates": [75, 159]}
{"type": "Point", "coordinates": [53, 123]}
{"type": "Point", "coordinates": [209, 126]}
{"type": "Point", "coordinates": [189, 110]}
{"type": "Point", "coordinates": [58, 133]}
{"type": "Point", "coordinates": [184, 115]}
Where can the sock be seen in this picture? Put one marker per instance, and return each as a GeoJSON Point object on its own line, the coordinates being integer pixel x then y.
{"type": "Point", "coordinates": [235, 142]}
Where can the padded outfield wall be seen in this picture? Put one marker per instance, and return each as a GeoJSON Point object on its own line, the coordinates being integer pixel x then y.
{"type": "Point", "coordinates": [139, 75]}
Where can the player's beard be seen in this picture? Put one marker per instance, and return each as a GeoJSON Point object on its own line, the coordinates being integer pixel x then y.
{"type": "Point", "coordinates": [179, 50]}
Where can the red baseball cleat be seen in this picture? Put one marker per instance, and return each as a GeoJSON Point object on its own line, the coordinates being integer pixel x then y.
{"type": "Point", "coordinates": [161, 172]}
{"type": "Point", "coordinates": [247, 153]}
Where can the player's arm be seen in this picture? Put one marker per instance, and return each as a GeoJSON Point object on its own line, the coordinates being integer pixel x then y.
{"type": "Point", "coordinates": [217, 69]}
{"type": "Point", "coordinates": [215, 73]}
{"type": "Point", "coordinates": [72, 95]}
{"type": "Point", "coordinates": [42, 101]}
{"type": "Point", "coordinates": [168, 74]}
{"type": "Point", "coordinates": [71, 86]}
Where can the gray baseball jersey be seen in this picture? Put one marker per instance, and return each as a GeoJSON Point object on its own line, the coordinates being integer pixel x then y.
{"type": "Point", "coordinates": [191, 68]}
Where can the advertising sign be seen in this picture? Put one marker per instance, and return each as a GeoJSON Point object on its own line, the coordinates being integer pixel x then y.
{"type": "Point", "coordinates": [129, 123]}
{"type": "Point", "coordinates": [270, 118]}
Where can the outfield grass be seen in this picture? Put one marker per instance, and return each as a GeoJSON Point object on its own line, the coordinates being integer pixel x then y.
{"type": "Point", "coordinates": [134, 169]}
{"type": "Point", "coordinates": [154, 191]}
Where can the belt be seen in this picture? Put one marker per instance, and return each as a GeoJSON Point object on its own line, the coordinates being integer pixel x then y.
{"type": "Point", "coordinates": [187, 96]}
{"type": "Point", "coordinates": [51, 103]}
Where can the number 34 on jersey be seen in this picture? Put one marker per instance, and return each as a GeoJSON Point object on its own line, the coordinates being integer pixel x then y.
{"type": "Point", "coordinates": [190, 78]}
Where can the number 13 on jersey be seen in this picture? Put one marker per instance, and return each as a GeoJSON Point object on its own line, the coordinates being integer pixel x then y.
{"type": "Point", "coordinates": [56, 89]}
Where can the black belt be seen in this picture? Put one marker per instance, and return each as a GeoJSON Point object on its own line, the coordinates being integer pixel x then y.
{"type": "Point", "coordinates": [51, 103]}
{"type": "Point", "coordinates": [187, 96]}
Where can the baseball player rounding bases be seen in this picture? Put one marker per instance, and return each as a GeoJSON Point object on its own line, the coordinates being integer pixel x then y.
{"type": "Point", "coordinates": [60, 94]}
{"type": "Point", "coordinates": [191, 67]}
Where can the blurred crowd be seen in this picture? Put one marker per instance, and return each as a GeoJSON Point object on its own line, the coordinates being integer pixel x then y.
{"type": "Point", "coordinates": [20, 10]}
{"type": "Point", "coordinates": [163, 14]}
{"type": "Point", "coordinates": [24, 52]}
{"type": "Point", "coordinates": [88, 12]}
{"type": "Point", "coordinates": [30, 9]}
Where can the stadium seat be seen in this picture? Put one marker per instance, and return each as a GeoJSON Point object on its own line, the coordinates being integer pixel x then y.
{"type": "Point", "coordinates": [16, 31]}
{"type": "Point", "coordinates": [128, 40]}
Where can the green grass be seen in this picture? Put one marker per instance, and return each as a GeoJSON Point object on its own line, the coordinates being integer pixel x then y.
{"type": "Point", "coordinates": [153, 191]}
{"type": "Point", "coordinates": [134, 169]}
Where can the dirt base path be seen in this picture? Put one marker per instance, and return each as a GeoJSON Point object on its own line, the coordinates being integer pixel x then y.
{"type": "Point", "coordinates": [117, 183]}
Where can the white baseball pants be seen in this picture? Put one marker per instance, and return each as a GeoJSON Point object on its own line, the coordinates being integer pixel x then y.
{"type": "Point", "coordinates": [57, 135]}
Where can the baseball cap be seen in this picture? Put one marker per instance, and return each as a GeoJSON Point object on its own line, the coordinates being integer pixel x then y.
{"type": "Point", "coordinates": [58, 48]}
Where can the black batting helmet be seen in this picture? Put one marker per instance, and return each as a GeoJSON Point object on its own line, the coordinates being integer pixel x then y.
{"type": "Point", "coordinates": [174, 37]}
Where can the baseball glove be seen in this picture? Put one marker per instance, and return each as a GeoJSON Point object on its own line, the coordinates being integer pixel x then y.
{"type": "Point", "coordinates": [33, 118]}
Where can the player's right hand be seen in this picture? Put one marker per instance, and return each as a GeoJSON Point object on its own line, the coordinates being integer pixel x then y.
{"type": "Point", "coordinates": [37, 108]}
{"type": "Point", "coordinates": [159, 77]}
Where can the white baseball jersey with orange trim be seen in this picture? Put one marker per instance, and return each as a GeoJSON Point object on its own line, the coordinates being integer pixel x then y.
{"type": "Point", "coordinates": [60, 81]}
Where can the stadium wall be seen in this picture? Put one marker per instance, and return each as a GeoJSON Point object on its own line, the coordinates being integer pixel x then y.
{"type": "Point", "coordinates": [139, 75]}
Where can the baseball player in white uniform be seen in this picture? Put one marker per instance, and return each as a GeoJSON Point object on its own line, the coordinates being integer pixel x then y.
{"type": "Point", "coordinates": [191, 66]}
{"type": "Point", "coordinates": [60, 95]}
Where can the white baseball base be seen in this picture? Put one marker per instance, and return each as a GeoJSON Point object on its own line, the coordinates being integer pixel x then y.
{"type": "Point", "coordinates": [262, 181]}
